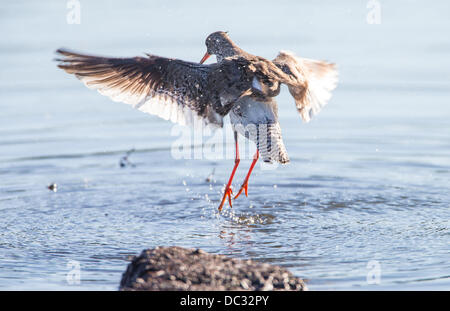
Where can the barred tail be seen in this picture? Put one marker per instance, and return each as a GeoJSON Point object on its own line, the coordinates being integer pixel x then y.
{"type": "Point", "coordinates": [269, 142]}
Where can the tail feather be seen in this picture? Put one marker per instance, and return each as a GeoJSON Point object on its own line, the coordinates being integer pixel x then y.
{"type": "Point", "coordinates": [271, 146]}
{"type": "Point", "coordinates": [268, 140]}
{"type": "Point", "coordinates": [258, 121]}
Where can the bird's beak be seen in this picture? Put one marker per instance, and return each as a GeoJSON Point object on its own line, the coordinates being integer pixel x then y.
{"type": "Point", "coordinates": [207, 55]}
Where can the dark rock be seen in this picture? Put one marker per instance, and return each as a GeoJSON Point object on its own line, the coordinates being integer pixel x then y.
{"type": "Point", "coordinates": [176, 268]}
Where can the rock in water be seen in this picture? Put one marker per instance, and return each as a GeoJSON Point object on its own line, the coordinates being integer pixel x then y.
{"type": "Point", "coordinates": [177, 268]}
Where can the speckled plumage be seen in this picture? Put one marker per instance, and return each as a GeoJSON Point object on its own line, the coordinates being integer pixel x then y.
{"type": "Point", "coordinates": [170, 88]}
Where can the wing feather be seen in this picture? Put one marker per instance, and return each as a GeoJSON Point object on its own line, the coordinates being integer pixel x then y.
{"type": "Point", "coordinates": [168, 88]}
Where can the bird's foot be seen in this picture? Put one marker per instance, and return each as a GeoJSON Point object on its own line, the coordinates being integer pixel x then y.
{"type": "Point", "coordinates": [227, 194]}
{"type": "Point", "coordinates": [243, 187]}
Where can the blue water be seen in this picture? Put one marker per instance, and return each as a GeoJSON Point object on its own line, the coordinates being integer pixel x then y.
{"type": "Point", "coordinates": [369, 178]}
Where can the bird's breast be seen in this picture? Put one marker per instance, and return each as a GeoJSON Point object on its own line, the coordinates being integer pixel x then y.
{"type": "Point", "coordinates": [251, 111]}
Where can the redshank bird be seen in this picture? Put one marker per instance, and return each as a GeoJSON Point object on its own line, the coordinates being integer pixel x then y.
{"type": "Point", "coordinates": [309, 81]}
{"type": "Point", "coordinates": [240, 84]}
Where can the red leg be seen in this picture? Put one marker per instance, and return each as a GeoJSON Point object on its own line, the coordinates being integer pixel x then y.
{"type": "Point", "coordinates": [228, 192]}
{"type": "Point", "coordinates": [245, 184]}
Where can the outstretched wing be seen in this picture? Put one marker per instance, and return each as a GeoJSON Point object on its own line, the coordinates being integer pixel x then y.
{"type": "Point", "coordinates": [169, 88]}
{"type": "Point", "coordinates": [319, 79]}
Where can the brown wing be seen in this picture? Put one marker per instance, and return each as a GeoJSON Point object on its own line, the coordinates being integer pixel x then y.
{"type": "Point", "coordinates": [169, 88]}
{"type": "Point", "coordinates": [319, 79]}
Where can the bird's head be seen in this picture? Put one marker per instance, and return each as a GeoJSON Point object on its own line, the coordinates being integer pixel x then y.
{"type": "Point", "coordinates": [218, 43]}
